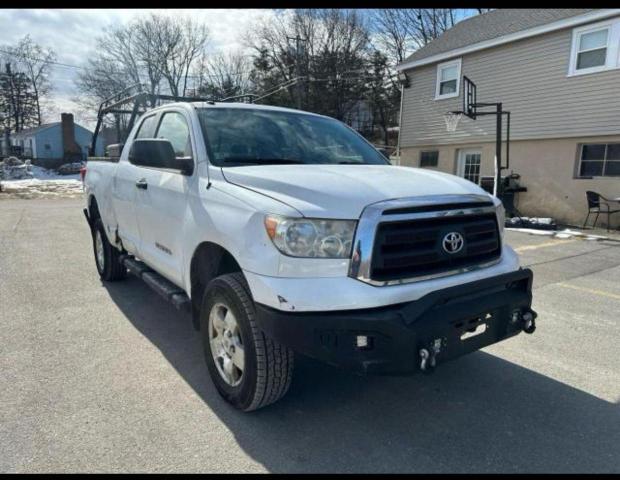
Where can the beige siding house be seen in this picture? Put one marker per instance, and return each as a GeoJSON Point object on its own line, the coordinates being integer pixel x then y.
{"type": "Point", "coordinates": [557, 71]}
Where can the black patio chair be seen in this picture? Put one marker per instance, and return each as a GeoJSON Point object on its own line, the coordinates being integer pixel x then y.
{"type": "Point", "coordinates": [597, 204]}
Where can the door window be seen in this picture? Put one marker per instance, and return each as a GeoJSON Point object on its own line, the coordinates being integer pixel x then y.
{"type": "Point", "coordinates": [469, 167]}
{"type": "Point", "coordinates": [147, 128]}
{"type": "Point", "coordinates": [174, 128]}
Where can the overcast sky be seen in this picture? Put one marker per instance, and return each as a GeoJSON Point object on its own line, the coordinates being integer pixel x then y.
{"type": "Point", "coordinates": [72, 33]}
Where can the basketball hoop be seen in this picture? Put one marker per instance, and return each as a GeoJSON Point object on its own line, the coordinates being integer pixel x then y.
{"type": "Point", "coordinates": [452, 120]}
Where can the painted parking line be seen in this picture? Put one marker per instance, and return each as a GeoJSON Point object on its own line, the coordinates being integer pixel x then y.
{"type": "Point", "coordinates": [542, 245]}
{"type": "Point", "coordinates": [602, 293]}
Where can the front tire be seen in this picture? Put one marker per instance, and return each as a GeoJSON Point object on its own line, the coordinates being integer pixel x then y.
{"type": "Point", "coordinates": [107, 257]}
{"type": "Point", "coordinates": [249, 369]}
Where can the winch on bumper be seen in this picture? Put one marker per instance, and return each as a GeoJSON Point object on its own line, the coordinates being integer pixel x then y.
{"type": "Point", "coordinates": [414, 336]}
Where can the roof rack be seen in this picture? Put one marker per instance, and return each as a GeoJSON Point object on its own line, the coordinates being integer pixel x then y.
{"type": "Point", "coordinates": [244, 98]}
{"type": "Point", "coordinates": [132, 101]}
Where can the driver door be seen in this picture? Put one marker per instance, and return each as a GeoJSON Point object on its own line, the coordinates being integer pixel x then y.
{"type": "Point", "coordinates": [163, 200]}
{"type": "Point", "coordinates": [125, 195]}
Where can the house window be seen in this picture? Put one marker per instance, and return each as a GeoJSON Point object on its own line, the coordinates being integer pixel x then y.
{"type": "Point", "coordinates": [595, 48]}
{"type": "Point", "coordinates": [599, 160]}
{"type": "Point", "coordinates": [592, 49]}
{"type": "Point", "coordinates": [448, 79]}
{"type": "Point", "coordinates": [429, 159]}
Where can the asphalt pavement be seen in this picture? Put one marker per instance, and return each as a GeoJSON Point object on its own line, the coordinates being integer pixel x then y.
{"type": "Point", "coordinates": [110, 378]}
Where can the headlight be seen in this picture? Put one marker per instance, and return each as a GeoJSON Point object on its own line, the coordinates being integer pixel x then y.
{"type": "Point", "coordinates": [311, 237]}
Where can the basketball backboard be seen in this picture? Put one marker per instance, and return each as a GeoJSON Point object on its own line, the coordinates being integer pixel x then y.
{"type": "Point", "coordinates": [469, 106]}
{"type": "Point", "coordinates": [469, 98]}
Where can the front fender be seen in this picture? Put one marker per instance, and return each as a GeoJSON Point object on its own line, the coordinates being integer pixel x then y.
{"type": "Point", "coordinates": [235, 224]}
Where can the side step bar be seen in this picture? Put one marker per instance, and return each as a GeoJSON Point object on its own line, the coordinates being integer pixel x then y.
{"type": "Point", "coordinates": [161, 285]}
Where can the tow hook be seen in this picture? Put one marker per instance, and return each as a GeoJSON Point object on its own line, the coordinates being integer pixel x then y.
{"type": "Point", "coordinates": [527, 319]}
{"type": "Point", "coordinates": [529, 323]}
{"type": "Point", "coordinates": [427, 356]}
{"type": "Point", "coordinates": [424, 356]}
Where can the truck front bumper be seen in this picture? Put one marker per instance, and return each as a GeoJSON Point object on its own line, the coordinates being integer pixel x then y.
{"type": "Point", "coordinates": [413, 336]}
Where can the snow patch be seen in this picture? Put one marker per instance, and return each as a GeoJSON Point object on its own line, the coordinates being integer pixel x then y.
{"type": "Point", "coordinates": [562, 234]}
{"type": "Point", "coordinates": [46, 183]}
{"type": "Point", "coordinates": [41, 173]}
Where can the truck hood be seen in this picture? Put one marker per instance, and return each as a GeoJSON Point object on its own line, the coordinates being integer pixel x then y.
{"type": "Point", "coordinates": [342, 191]}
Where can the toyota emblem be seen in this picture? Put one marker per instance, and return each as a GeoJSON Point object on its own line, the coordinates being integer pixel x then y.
{"type": "Point", "coordinates": [453, 242]}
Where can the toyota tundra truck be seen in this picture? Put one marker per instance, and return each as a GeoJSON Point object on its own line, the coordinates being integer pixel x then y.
{"type": "Point", "coordinates": [285, 232]}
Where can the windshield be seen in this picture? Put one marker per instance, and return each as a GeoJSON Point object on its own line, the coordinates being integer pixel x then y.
{"type": "Point", "coordinates": [243, 136]}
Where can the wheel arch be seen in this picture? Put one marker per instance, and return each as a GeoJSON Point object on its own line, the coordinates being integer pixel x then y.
{"type": "Point", "coordinates": [93, 208]}
{"type": "Point", "coordinates": [209, 260]}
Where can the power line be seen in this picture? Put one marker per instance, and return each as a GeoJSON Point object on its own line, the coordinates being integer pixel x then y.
{"type": "Point", "coordinates": [68, 65]}
{"type": "Point", "coordinates": [40, 60]}
{"type": "Point", "coordinates": [281, 86]}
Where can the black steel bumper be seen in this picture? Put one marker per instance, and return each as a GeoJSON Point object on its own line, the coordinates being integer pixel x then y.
{"type": "Point", "coordinates": [400, 336]}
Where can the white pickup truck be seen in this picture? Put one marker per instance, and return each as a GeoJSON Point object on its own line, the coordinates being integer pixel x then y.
{"type": "Point", "coordinates": [285, 231]}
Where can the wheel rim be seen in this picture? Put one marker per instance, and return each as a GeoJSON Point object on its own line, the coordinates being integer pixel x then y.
{"type": "Point", "coordinates": [226, 344]}
{"type": "Point", "coordinates": [99, 254]}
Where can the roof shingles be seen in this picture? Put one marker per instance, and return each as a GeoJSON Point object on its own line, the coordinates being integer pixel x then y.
{"type": "Point", "coordinates": [490, 25]}
{"type": "Point", "coordinates": [35, 130]}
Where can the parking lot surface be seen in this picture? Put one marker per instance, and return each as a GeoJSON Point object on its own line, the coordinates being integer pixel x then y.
{"type": "Point", "coordinates": [109, 378]}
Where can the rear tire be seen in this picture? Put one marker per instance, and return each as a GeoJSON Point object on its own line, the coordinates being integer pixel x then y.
{"type": "Point", "coordinates": [107, 257]}
{"type": "Point", "coordinates": [228, 320]}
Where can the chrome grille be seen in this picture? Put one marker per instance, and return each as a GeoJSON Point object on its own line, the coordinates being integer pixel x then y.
{"type": "Point", "coordinates": [399, 241]}
{"type": "Point", "coordinates": [414, 247]}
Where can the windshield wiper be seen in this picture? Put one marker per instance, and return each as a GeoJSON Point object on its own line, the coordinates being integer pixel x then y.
{"type": "Point", "coordinates": [262, 161]}
{"type": "Point", "coordinates": [350, 163]}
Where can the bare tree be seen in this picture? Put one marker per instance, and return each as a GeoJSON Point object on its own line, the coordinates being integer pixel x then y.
{"type": "Point", "coordinates": [176, 45]}
{"type": "Point", "coordinates": [394, 33]}
{"type": "Point", "coordinates": [225, 75]}
{"type": "Point", "coordinates": [382, 96]}
{"type": "Point", "coordinates": [17, 100]}
{"type": "Point", "coordinates": [115, 66]}
{"type": "Point", "coordinates": [149, 51]}
{"type": "Point", "coordinates": [156, 52]}
{"type": "Point", "coordinates": [35, 62]}
{"type": "Point", "coordinates": [333, 52]}
{"type": "Point", "coordinates": [399, 32]}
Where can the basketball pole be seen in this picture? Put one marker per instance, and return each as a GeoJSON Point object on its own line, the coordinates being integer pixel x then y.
{"type": "Point", "coordinates": [471, 108]}
{"type": "Point", "coordinates": [498, 150]}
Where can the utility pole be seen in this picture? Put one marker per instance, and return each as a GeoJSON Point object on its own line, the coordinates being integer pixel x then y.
{"type": "Point", "coordinates": [298, 41]}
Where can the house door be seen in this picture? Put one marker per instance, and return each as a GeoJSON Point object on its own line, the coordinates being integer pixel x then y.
{"type": "Point", "coordinates": [468, 165]}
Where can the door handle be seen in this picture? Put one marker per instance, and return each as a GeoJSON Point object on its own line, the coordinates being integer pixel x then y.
{"type": "Point", "coordinates": [142, 184]}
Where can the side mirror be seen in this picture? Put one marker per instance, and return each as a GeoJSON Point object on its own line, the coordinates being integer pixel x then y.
{"type": "Point", "coordinates": [114, 150]}
{"type": "Point", "coordinates": [185, 165]}
{"type": "Point", "coordinates": [384, 152]}
{"type": "Point", "coordinates": [159, 153]}
{"type": "Point", "coordinates": [152, 152]}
